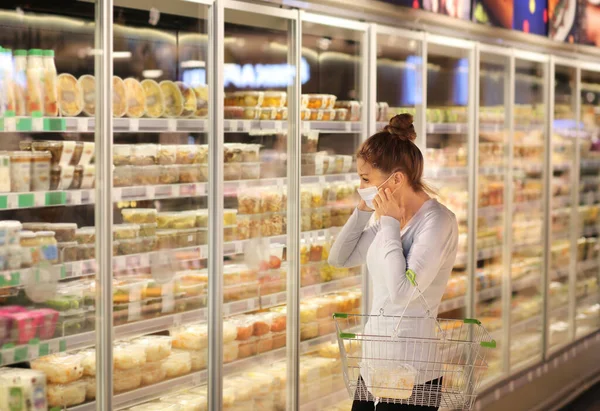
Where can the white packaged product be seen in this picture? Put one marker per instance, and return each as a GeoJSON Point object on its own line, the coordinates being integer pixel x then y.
{"type": "Point", "coordinates": [388, 379]}
{"type": "Point", "coordinates": [199, 358]}
{"type": "Point", "coordinates": [157, 347]}
{"type": "Point", "coordinates": [88, 362]}
{"type": "Point", "coordinates": [4, 174]}
{"type": "Point", "coordinates": [60, 368]}
{"type": "Point", "coordinates": [127, 380]}
{"type": "Point", "coordinates": [67, 395]}
{"type": "Point", "coordinates": [178, 364]}
{"type": "Point", "coordinates": [188, 402]}
{"type": "Point", "coordinates": [191, 337]}
{"type": "Point", "coordinates": [127, 356]}
{"type": "Point", "coordinates": [153, 372]}
{"type": "Point", "coordinates": [90, 388]}
{"type": "Point", "coordinates": [22, 389]}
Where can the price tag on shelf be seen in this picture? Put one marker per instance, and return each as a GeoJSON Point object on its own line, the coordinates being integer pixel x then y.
{"type": "Point", "coordinates": [171, 124]}
{"type": "Point", "coordinates": [278, 126]}
{"type": "Point", "coordinates": [246, 126]}
{"type": "Point", "coordinates": [37, 124]}
{"type": "Point", "coordinates": [12, 201]}
{"type": "Point", "coordinates": [74, 197]}
{"type": "Point", "coordinates": [305, 126]}
{"type": "Point", "coordinates": [348, 125]}
{"type": "Point", "coordinates": [82, 124]}
{"type": "Point", "coordinates": [10, 124]}
{"type": "Point", "coordinates": [134, 124]}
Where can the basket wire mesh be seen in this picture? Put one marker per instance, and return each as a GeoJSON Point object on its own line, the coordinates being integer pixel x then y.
{"type": "Point", "coordinates": [421, 361]}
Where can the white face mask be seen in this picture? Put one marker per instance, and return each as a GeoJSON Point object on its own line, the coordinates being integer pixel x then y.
{"type": "Point", "coordinates": [369, 193]}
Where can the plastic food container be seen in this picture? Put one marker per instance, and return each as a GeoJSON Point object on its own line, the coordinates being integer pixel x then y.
{"type": "Point", "coordinates": [119, 97]}
{"type": "Point", "coordinates": [136, 98]}
{"type": "Point", "coordinates": [249, 202]}
{"type": "Point", "coordinates": [353, 110]}
{"type": "Point", "coordinates": [173, 99]}
{"type": "Point", "coordinates": [153, 372]}
{"type": "Point", "coordinates": [67, 251]}
{"type": "Point", "coordinates": [201, 101]}
{"type": "Point", "coordinates": [177, 364]}
{"type": "Point", "coordinates": [157, 347]}
{"type": "Point", "coordinates": [127, 356]}
{"type": "Point", "coordinates": [153, 98]}
{"type": "Point", "coordinates": [316, 101]}
{"type": "Point", "coordinates": [248, 226]}
{"type": "Point", "coordinates": [148, 230]}
{"type": "Point", "coordinates": [86, 235]}
{"type": "Point", "coordinates": [66, 395]}
{"type": "Point", "coordinates": [60, 368]}
{"type": "Point", "coordinates": [249, 171]}
{"type": "Point", "coordinates": [383, 111]}
{"type": "Point", "coordinates": [167, 154]}
{"type": "Point", "coordinates": [87, 84]}
{"type": "Point", "coordinates": [70, 96]}
{"type": "Point", "coordinates": [193, 173]}
{"type": "Point", "coordinates": [178, 220]}
{"type": "Point", "coordinates": [168, 174]}
{"type": "Point", "coordinates": [122, 154]}
{"type": "Point", "coordinates": [55, 148]}
{"type": "Point", "coordinates": [309, 144]}
{"type": "Point", "coordinates": [267, 113]}
{"type": "Point", "coordinates": [234, 113]}
{"type": "Point", "coordinates": [249, 98]}
{"type": "Point", "coordinates": [272, 224]}
{"type": "Point", "coordinates": [126, 231]}
{"type": "Point", "coordinates": [282, 114]}
{"type": "Point", "coordinates": [233, 153]}
{"type": "Point", "coordinates": [275, 99]}
{"type": "Point", "coordinates": [40, 171]}
{"type": "Point", "coordinates": [309, 331]}
{"type": "Point", "coordinates": [187, 154]}
{"type": "Point", "coordinates": [127, 380]}
{"type": "Point", "coordinates": [144, 154]}
{"type": "Point", "coordinates": [189, 99]}
{"type": "Point", "coordinates": [327, 115]}
{"type": "Point", "coordinates": [123, 176]}
{"type": "Point", "coordinates": [342, 164]}
{"type": "Point", "coordinates": [341, 114]}
{"type": "Point", "coordinates": [191, 337]}
{"type": "Point", "coordinates": [232, 171]}
{"type": "Point", "coordinates": [139, 215]}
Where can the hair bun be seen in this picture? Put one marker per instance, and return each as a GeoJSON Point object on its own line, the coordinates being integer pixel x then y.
{"type": "Point", "coordinates": [401, 126]}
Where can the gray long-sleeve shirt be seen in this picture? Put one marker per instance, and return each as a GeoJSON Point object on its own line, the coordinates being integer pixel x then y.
{"type": "Point", "coordinates": [427, 245]}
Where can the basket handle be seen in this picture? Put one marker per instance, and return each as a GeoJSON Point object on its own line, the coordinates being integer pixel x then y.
{"type": "Point", "coordinates": [412, 278]}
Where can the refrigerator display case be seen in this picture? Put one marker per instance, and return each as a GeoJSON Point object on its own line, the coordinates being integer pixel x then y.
{"type": "Point", "coordinates": [171, 191]}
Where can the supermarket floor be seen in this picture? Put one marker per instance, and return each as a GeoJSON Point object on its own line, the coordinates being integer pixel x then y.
{"type": "Point", "coordinates": [587, 401]}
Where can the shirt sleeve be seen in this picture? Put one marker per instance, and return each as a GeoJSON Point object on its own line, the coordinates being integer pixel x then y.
{"type": "Point", "coordinates": [432, 244]}
{"type": "Point", "coordinates": [351, 245]}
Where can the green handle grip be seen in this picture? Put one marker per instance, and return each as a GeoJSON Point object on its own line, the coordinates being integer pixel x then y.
{"type": "Point", "coordinates": [347, 336]}
{"type": "Point", "coordinates": [412, 277]}
{"type": "Point", "coordinates": [340, 315]}
{"type": "Point", "coordinates": [488, 344]}
{"type": "Point", "coordinates": [471, 321]}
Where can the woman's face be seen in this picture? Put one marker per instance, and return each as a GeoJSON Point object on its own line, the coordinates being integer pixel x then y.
{"type": "Point", "coordinates": [371, 176]}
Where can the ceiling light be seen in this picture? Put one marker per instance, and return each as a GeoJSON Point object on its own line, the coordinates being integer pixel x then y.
{"type": "Point", "coordinates": [193, 64]}
{"type": "Point", "coordinates": [152, 73]}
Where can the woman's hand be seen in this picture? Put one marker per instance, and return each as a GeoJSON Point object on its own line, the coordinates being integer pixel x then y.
{"type": "Point", "coordinates": [387, 205]}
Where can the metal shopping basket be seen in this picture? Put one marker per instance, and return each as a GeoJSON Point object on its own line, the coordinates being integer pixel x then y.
{"type": "Point", "coordinates": [414, 361]}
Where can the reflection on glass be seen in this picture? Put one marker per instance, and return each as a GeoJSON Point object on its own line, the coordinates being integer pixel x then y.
{"type": "Point", "coordinates": [331, 134]}
{"type": "Point", "coordinates": [563, 151]}
{"type": "Point", "coordinates": [527, 226]}
{"type": "Point", "coordinates": [586, 291]}
{"type": "Point", "coordinates": [493, 138]}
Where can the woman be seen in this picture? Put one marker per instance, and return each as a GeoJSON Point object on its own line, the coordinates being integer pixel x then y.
{"type": "Point", "coordinates": [410, 233]}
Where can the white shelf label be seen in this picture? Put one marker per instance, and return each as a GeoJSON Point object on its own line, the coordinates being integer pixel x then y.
{"type": "Point", "coordinates": [348, 126]}
{"type": "Point", "coordinates": [37, 124]}
{"type": "Point", "coordinates": [278, 125]}
{"type": "Point", "coordinates": [10, 124]}
{"type": "Point", "coordinates": [82, 124]}
{"type": "Point", "coordinates": [74, 197]}
{"type": "Point", "coordinates": [134, 124]}
{"type": "Point", "coordinates": [171, 124]}
{"type": "Point", "coordinates": [246, 126]}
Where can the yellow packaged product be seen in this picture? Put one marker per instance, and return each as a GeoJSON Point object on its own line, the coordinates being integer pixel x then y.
{"type": "Point", "coordinates": [136, 98]}
{"type": "Point", "coordinates": [173, 99]}
{"type": "Point", "coordinates": [276, 99]}
{"type": "Point", "coordinates": [189, 99]}
{"type": "Point", "coordinates": [155, 105]}
{"type": "Point", "coordinates": [119, 97]}
{"type": "Point", "coordinates": [66, 395]}
{"type": "Point", "coordinates": [70, 99]}
{"type": "Point", "coordinates": [88, 89]}
{"type": "Point", "coordinates": [201, 101]}
{"type": "Point", "coordinates": [177, 364]}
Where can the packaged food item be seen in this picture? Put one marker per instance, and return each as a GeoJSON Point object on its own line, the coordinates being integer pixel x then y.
{"type": "Point", "coordinates": [87, 84]}
{"type": "Point", "coordinates": [191, 337]}
{"type": "Point", "coordinates": [192, 173]}
{"type": "Point", "coordinates": [155, 105]}
{"type": "Point", "coordinates": [127, 380]}
{"type": "Point", "coordinates": [316, 115]}
{"type": "Point", "coordinates": [249, 201]}
{"type": "Point", "coordinates": [123, 176]}
{"type": "Point", "coordinates": [342, 164]}
{"type": "Point", "coordinates": [167, 154]}
{"type": "Point", "coordinates": [90, 387]}
{"type": "Point", "coordinates": [189, 99]}
{"type": "Point", "coordinates": [67, 251]}
{"type": "Point", "coordinates": [173, 99]}
{"type": "Point", "coordinates": [230, 352]}
{"type": "Point", "coordinates": [48, 246]}
{"type": "Point", "coordinates": [50, 77]}
{"type": "Point", "coordinates": [176, 220]}
{"type": "Point", "coordinates": [40, 171]}
{"type": "Point", "coordinates": [353, 110]}
{"type": "Point", "coordinates": [267, 113]}
{"type": "Point", "coordinates": [275, 99]}
{"type": "Point", "coordinates": [309, 144]}
{"type": "Point", "coordinates": [383, 111]}
{"type": "Point", "coordinates": [187, 154]}
{"type": "Point", "coordinates": [327, 115]}
{"type": "Point", "coordinates": [248, 226]}
{"type": "Point", "coordinates": [4, 173]}
{"type": "Point", "coordinates": [148, 230]}
{"type": "Point", "coordinates": [272, 224]}
{"type": "Point", "coordinates": [30, 249]}
{"type": "Point", "coordinates": [157, 347]}
{"type": "Point", "coordinates": [232, 171]}
{"type": "Point", "coordinates": [177, 364]}
{"type": "Point", "coordinates": [59, 368]}
{"type": "Point", "coordinates": [201, 93]}
{"type": "Point", "coordinates": [249, 171]}
{"type": "Point", "coordinates": [62, 231]}
{"type": "Point", "coordinates": [282, 114]}
{"type": "Point", "coordinates": [309, 331]}
{"type": "Point", "coordinates": [119, 97]}
{"type": "Point", "coordinates": [66, 395]}
{"type": "Point", "coordinates": [86, 252]}
{"type": "Point", "coordinates": [316, 101]}
{"type": "Point", "coordinates": [233, 113]}
{"type": "Point", "coordinates": [126, 231]}
{"type": "Point", "coordinates": [144, 154]}
{"type": "Point", "coordinates": [20, 171]}
{"type": "Point", "coordinates": [139, 215]}
{"type": "Point", "coordinates": [86, 235]}
{"type": "Point", "coordinates": [122, 154]}
{"type": "Point", "coordinates": [70, 96]}
{"type": "Point", "coordinates": [127, 356]}
{"type": "Point", "coordinates": [22, 390]}
{"type": "Point", "coordinates": [249, 98]}
{"type": "Point", "coordinates": [153, 372]}
{"type": "Point", "coordinates": [261, 324]}
{"type": "Point", "coordinates": [341, 114]}
{"type": "Point", "coordinates": [136, 98]}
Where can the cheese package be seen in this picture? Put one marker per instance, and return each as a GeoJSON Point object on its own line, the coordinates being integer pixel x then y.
{"type": "Point", "coordinates": [119, 97]}
{"type": "Point", "coordinates": [155, 105]}
{"type": "Point", "coordinates": [70, 97]}
{"type": "Point", "coordinates": [136, 98]}
{"type": "Point", "coordinates": [87, 84]}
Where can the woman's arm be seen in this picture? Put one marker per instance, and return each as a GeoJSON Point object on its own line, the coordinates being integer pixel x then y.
{"type": "Point", "coordinates": [351, 245]}
{"type": "Point", "coordinates": [432, 244]}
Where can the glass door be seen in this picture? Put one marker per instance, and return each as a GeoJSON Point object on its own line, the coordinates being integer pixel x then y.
{"type": "Point", "coordinates": [259, 74]}
{"type": "Point", "coordinates": [493, 285]}
{"type": "Point", "coordinates": [565, 129]}
{"type": "Point", "coordinates": [47, 202]}
{"type": "Point", "coordinates": [447, 152]}
{"type": "Point", "coordinates": [587, 299]}
{"type": "Point", "coordinates": [333, 125]}
{"type": "Point", "coordinates": [529, 140]}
